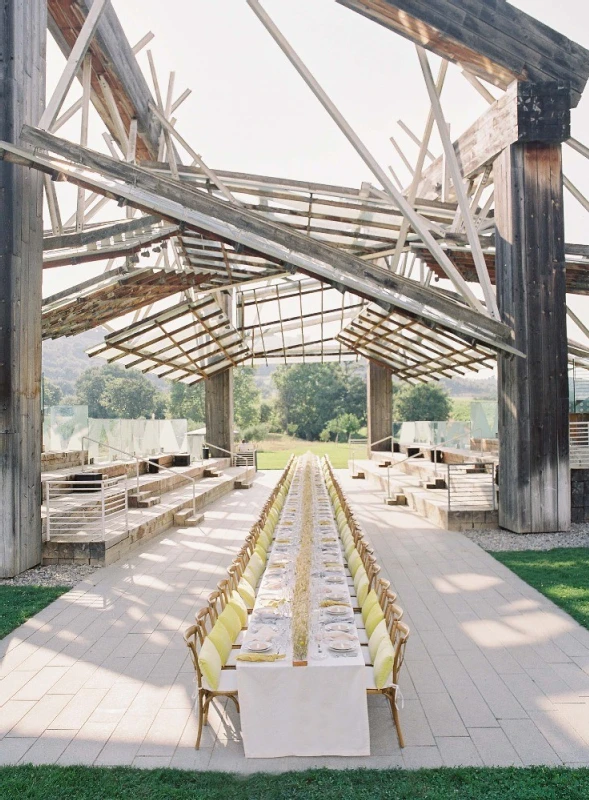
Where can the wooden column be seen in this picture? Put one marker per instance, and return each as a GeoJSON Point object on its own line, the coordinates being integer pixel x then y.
{"type": "Point", "coordinates": [380, 407]}
{"type": "Point", "coordinates": [219, 419]}
{"type": "Point", "coordinates": [534, 474]}
{"type": "Point", "coordinates": [23, 26]}
{"type": "Point", "coordinates": [219, 412]}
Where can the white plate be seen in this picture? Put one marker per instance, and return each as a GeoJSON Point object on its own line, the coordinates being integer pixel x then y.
{"type": "Point", "coordinates": [340, 646]}
{"type": "Point", "coordinates": [338, 627]}
{"type": "Point", "coordinates": [259, 646]}
{"type": "Point", "coordinates": [338, 611]}
{"type": "Point", "coordinates": [334, 579]}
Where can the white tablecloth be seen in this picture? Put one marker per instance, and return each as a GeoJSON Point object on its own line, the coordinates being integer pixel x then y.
{"type": "Point", "coordinates": [319, 709]}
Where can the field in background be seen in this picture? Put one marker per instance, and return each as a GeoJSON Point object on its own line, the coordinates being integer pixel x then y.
{"type": "Point", "coordinates": [275, 451]}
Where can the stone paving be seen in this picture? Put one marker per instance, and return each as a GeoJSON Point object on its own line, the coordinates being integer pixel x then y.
{"type": "Point", "coordinates": [495, 674]}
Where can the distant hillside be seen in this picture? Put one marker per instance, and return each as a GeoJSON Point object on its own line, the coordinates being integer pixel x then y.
{"type": "Point", "coordinates": [65, 359]}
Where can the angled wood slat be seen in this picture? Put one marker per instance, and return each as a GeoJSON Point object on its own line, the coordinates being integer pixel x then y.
{"type": "Point", "coordinates": [113, 61]}
{"type": "Point", "coordinates": [189, 342]}
{"type": "Point", "coordinates": [87, 306]}
{"type": "Point", "coordinates": [235, 225]}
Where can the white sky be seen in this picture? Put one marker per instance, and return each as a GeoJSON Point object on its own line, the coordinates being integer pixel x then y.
{"type": "Point", "coordinates": [249, 110]}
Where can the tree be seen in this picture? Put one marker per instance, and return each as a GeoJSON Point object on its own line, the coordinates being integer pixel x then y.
{"type": "Point", "coordinates": [110, 392]}
{"type": "Point", "coordinates": [132, 397]}
{"type": "Point", "coordinates": [246, 397]}
{"type": "Point", "coordinates": [342, 427]}
{"type": "Point", "coordinates": [310, 395]}
{"type": "Point", "coordinates": [188, 402]}
{"type": "Point", "coordinates": [52, 394]}
{"type": "Point", "coordinates": [424, 402]}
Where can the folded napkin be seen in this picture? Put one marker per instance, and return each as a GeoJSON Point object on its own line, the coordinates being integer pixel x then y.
{"type": "Point", "coordinates": [260, 656]}
{"type": "Point", "coordinates": [328, 603]}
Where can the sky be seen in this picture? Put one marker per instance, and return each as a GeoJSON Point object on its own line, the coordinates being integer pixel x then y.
{"type": "Point", "coordinates": [250, 111]}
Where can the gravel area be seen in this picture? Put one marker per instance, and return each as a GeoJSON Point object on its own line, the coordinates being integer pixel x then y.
{"type": "Point", "coordinates": [54, 575]}
{"type": "Point", "coordinates": [499, 540]}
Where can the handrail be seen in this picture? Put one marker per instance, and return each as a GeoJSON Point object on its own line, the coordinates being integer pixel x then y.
{"type": "Point", "coordinates": [230, 453]}
{"type": "Point", "coordinates": [149, 461]}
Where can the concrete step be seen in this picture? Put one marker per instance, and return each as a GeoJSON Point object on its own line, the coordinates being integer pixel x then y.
{"type": "Point", "coordinates": [186, 519]}
{"type": "Point", "coordinates": [143, 523]}
{"type": "Point", "coordinates": [433, 505]}
{"type": "Point", "coordinates": [146, 502]}
{"type": "Point", "coordinates": [396, 500]}
{"type": "Point", "coordinates": [245, 484]}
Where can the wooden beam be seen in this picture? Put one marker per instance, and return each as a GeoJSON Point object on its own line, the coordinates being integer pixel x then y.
{"type": "Point", "coordinates": [491, 39]}
{"type": "Point", "coordinates": [114, 60]}
{"type": "Point", "coordinates": [22, 88]}
{"type": "Point", "coordinates": [380, 407]}
{"type": "Point", "coordinates": [236, 225]}
{"type": "Point", "coordinates": [534, 474]}
{"type": "Point", "coordinates": [526, 113]}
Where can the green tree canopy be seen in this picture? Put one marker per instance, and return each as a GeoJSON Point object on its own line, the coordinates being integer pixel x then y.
{"type": "Point", "coordinates": [188, 402]}
{"type": "Point", "coordinates": [52, 394]}
{"type": "Point", "coordinates": [342, 427]}
{"type": "Point", "coordinates": [310, 395]}
{"type": "Point", "coordinates": [246, 397]}
{"type": "Point", "coordinates": [424, 402]}
{"type": "Point", "coordinates": [111, 392]}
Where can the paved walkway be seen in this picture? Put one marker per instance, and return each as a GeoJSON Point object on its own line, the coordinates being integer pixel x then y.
{"type": "Point", "coordinates": [495, 674]}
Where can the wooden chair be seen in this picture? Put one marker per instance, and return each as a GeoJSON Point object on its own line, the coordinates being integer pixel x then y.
{"type": "Point", "coordinates": [401, 636]}
{"type": "Point", "coordinates": [194, 638]}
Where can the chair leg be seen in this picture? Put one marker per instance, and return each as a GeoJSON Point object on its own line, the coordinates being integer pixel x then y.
{"type": "Point", "coordinates": [395, 710]}
{"type": "Point", "coordinates": [201, 712]}
{"type": "Point", "coordinates": [206, 709]}
{"type": "Point", "coordinates": [236, 701]}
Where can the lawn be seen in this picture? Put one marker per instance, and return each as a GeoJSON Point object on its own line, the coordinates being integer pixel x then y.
{"type": "Point", "coordinates": [100, 783]}
{"type": "Point", "coordinates": [275, 452]}
{"type": "Point", "coordinates": [18, 603]}
{"type": "Point", "coordinates": [562, 575]}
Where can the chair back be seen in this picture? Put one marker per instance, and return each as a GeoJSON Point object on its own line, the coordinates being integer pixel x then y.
{"type": "Point", "coordinates": [194, 639]}
{"type": "Point", "coordinates": [400, 642]}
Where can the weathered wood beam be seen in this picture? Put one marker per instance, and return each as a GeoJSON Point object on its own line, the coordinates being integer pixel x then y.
{"type": "Point", "coordinates": [278, 242]}
{"type": "Point", "coordinates": [534, 475]}
{"type": "Point", "coordinates": [490, 38]}
{"type": "Point", "coordinates": [99, 233]}
{"type": "Point", "coordinates": [526, 113]}
{"type": "Point", "coordinates": [22, 88]}
{"type": "Point", "coordinates": [380, 407]}
{"type": "Point", "coordinates": [114, 61]}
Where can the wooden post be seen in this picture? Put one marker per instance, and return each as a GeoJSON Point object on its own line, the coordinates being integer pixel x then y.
{"type": "Point", "coordinates": [534, 474]}
{"type": "Point", "coordinates": [219, 418]}
{"type": "Point", "coordinates": [23, 25]}
{"type": "Point", "coordinates": [380, 407]}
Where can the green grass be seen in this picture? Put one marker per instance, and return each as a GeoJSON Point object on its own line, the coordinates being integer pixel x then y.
{"type": "Point", "coordinates": [99, 783]}
{"type": "Point", "coordinates": [274, 454]}
{"type": "Point", "coordinates": [562, 575]}
{"type": "Point", "coordinates": [18, 603]}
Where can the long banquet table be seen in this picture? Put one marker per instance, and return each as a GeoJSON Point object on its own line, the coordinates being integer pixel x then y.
{"type": "Point", "coordinates": [319, 708]}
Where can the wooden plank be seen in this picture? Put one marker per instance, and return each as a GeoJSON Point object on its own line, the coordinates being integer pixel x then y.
{"type": "Point", "coordinates": [526, 113]}
{"type": "Point", "coordinates": [113, 60]}
{"type": "Point", "coordinates": [219, 417]}
{"type": "Point", "coordinates": [491, 38]}
{"type": "Point", "coordinates": [329, 264]}
{"type": "Point", "coordinates": [533, 393]}
{"type": "Point", "coordinates": [22, 88]}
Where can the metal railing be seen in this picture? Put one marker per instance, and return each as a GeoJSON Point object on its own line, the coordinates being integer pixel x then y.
{"type": "Point", "coordinates": [233, 454]}
{"type": "Point", "coordinates": [147, 460]}
{"type": "Point", "coordinates": [579, 445]}
{"type": "Point", "coordinates": [85, 506]}
{"type": "Point", "coordinates": [471, 486]}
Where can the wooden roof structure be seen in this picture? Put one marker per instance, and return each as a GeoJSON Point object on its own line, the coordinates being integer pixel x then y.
{"type": "Point", "coordinates": [317, 272]}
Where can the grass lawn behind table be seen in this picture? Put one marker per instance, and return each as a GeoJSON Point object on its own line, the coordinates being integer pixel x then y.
{"type": "Point", "coordinates": [100, 783]}
{"type": "Point", "coordinates": [562, 575]}
{"type": "Point", "coordinates": [18, 603]}
{"type": "Point", "coordinates": [277, 449]}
